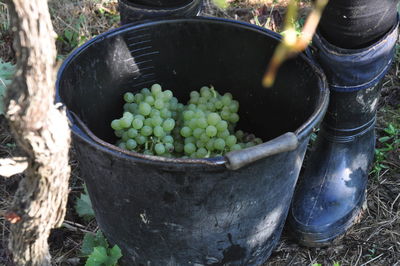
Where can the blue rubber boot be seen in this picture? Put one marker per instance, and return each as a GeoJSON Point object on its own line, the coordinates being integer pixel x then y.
{"type": "Point", "coordinates": [330, 195]}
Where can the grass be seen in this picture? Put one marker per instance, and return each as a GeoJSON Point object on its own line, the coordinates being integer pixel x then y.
{"type": "Point", "coordinates": [373, 241]}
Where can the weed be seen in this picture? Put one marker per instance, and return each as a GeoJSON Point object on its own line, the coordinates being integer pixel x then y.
{"type": "Point", "coordinates": [389, 142]}
{"type": "Point", "coordinates": [98, 251]}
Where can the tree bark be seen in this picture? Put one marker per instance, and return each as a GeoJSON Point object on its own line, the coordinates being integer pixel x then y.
{"type": "Point", "coordinates": [41, 130]}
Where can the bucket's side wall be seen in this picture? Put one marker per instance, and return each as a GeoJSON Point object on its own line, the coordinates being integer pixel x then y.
{"type": "Point", "coordinates": [164, 214]}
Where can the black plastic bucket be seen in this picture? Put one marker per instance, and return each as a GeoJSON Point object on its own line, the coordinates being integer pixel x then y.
{"type": "Point", "coordinates": [135, 10]}
{"type": "Point", "coordinates": [224, 210]}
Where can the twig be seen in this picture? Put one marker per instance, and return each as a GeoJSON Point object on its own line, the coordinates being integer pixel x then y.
{"type": "Point", "coordinates": [371, 260]}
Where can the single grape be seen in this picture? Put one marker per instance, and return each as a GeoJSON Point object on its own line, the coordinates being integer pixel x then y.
{"type": "Point", "coordinates": [149, 99]}
{"type": "Point", "coordinates": [201, 153]}
{"type": "Point", "coordinates": [236, 147]}
{"type": "Point", "coordinates": [132, 133]}
{"type": "Point", "coordinates": [225, 114]}
{"type": "Point", "coordinates": [129, 97]}
{"type": "Point", "coordinates": [125, 136]}
{"type": "Point", "coordinates": [169, 147]}
{"type": "Point", "coordinates": [189, 148]}
{"type": "Point", "coordinates": [193, 123]}
{"type": "Point", "coordinates": [230, 140]}
{"type": "Point", "coordinates": [126, 121]}
{"type": "Point", "coordinates": [159, 104]}
{"type": "Point", "coordinates": [116, 125]}
{"type": "Point", "coordinates": [197, 132]}
{"type": "Point", "coordinates": [169, 124]}
{"type": "Point", "coordinates": [202, 100]}
{"type": "Point", "coordinates": [140, 117]}
{"type": "Point", "coordinates": [144, 108]}
{"type": "Point", "coordinates": [210, 145]}
{"type": "Point", "coordinates": [137, 123]}
{"type": "Point", "coordinates": [200, 144]}
{"type": "Point", "coordinates": [146, 131]}
{"type": "Point", "coordinates": [165, 113]}
{"type": "Point", "coordinates": [211, 131]}
{"type": "Point", "coordinates": [202, 122]}
{"type": "Point", "coordinates": [249, 144]}
{"type": "Point", "coordinates": [126, 107]}
{"type": "Point", "coordinates": [133, 108]}
{"type": "Point", "coordinates": [223, 134]}
{"type": "Point", "coordinates": [218, 105]}
{"type": "Point", "coordinates": [155, 88]}
{"type": "Point", "coordinates": [118, 133]}
{"type": "Point", "coordinates": [145, 92]}
{"type": "Point", "coordinates": [168, 139]}
{"type": "Point", "coordinates": [186, 132]}
{"type": "Point", "coordinates": [219, 144]}
{"type": "Point", "coordinates": [222, 125]}
{"type": "Point", "coordinates": [154, 113]}
{"type": "Point", "coordinates": [194, 94]}
{"type": "Point", "coordinates": [122, 145]}
{"type": "Point", "coordinates": [188, 115]}
{"type": "Point", "coordinates": [234, 118]}
{"type": "Point", "coordinates": [131, 144]}
{"type": "Point", "coordinates": [159, 148]}
{"type": "Point", "coordinates": [213, 119]}
{"type": "Point", "coordinates": [148, 152]}
{"type": "Point", "coordinates": [139, 97]}
{"type": "Point", "coordinates": [226, 99]}
{"type": "Point", "coordinates": [156, 121]}
{"type": "Point", "coordinates": [204, 137]}
{"type": "Point", "coordinates": [234, 106]}
{"type": "Point", "coordinates": [148, 122]}
{"type": "Point", "coordinates": [140, 139]}
{"type": "Point", "coordinates": [204, 89]}
{"type": "Point", "coordinates": [258, 141]}
{"type": "Point", "coordinates": [167, 94]}
{"type": "Point", "coordinates": [239, 134]}
{"type": "Point", "coordinates": [158, 131]}
{"type": "Point", "coordinates": [190, 140]}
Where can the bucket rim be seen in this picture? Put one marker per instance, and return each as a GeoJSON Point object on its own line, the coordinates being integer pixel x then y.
{"type": "Point", "coordinates": [86, 135]}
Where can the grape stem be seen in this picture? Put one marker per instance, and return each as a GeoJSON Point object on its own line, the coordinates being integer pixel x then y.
{"type": "Point", "coordinates": [291, 45]}
{"type": "Point", "coordinates": [214, 93]}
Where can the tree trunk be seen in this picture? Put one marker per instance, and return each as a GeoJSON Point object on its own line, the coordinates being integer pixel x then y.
{"type": "Point", "coordinates": [41, 130]}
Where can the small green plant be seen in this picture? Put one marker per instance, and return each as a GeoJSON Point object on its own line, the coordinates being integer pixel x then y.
{"type": "Point", "coordinates": [73, 35]}
{"type": "Point", "coordinates": [98, 251]}
{"type": "Point", "coordinates": [83, 206]}
{"type": "Point", "coordinates": [389, 142]}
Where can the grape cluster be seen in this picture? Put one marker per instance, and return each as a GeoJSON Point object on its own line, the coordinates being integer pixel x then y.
{"type": "Point", "coordinates": [155, 123]}
{"type": "Point", "coordinates": [147, 122]}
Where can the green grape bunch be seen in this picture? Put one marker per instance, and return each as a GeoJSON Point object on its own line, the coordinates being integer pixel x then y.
{"type": "Point", "coordinates": [155, 123]}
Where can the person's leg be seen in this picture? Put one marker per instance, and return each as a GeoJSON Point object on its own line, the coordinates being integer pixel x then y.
{"type": "Point", "coordinates": [354, 46]}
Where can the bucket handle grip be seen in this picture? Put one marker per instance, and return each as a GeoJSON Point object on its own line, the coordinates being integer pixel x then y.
{"type": "Point", "coordinates": [240, 158]}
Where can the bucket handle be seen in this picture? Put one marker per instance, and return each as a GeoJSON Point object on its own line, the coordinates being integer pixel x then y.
{"type": "Point", "coordinates": [240, 158]}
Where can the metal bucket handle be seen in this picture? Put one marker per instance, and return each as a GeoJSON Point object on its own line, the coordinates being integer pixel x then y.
{"type": "Point", "coordinates": [233, 160]}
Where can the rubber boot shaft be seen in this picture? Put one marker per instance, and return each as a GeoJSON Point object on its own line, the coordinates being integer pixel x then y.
{"type": "Point", "coordinates": [132, 11]}
{"type": "Point", "coordinates": [160, 3]}
{"type": "Point", "coordinates": [357, 23]}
